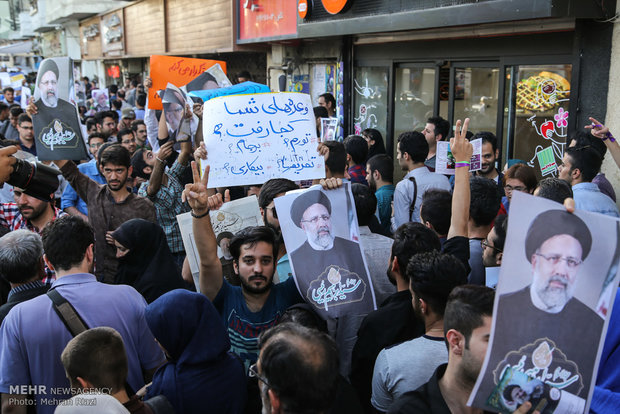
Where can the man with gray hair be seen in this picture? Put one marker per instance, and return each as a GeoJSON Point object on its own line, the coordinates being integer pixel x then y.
{"type": "Point", "coordinates": [21, 264]}
{"type": "Point", "coordinates": [48, 88]}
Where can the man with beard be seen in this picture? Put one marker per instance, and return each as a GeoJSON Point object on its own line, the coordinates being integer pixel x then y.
{"type": "Point", "coordinates": [28, 362]}
{"type": "Point", "coordinates": [107, 125]}
{"type": "Point", "coordinates": [380, 176]}
{"type": "Point", "coordinates": [406, 366]}
{"type": "Point", "coordinates": [109, 205]}
{"type": "Point", "coordinates": [490, 154]}
{"type": "Point", "coordinates": [311, 212]}
{"type": "Point", "coordinates": [467, 327]}
{"type": "Point", "coordinates": [556, 245]}
{"type": "Point", "coordinates": [274, 188]}
{"type": "Point", "coordinates": [48, 87]}
{"type": "Point", "coordinates": [257, 304]}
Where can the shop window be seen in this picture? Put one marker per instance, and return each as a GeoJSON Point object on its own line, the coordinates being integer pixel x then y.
{"type": "Point", "coordinates": [539, 99]}
{"type": "Point", "coordinates": [475, 97]}
{"type": "Point", "coordinates": [370, 99]}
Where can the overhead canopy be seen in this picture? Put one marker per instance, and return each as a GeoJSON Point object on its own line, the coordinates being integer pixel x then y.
{"type": "Point", "coordinates": [16, 48]}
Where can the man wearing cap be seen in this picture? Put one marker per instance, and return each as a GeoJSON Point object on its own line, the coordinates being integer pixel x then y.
{"type": "Point", "coordinates": [128, 116]}
{"type": "Point", "coordinates": [534, 328]}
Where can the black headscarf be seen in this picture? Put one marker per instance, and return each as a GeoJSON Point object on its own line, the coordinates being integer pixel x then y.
{"type": "Point", "coordinates": [149, 265]}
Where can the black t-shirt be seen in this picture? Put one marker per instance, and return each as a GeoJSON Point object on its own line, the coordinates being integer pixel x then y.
{"type": "Point", "coordinates": [392, 323]}
{"type": "Point", "coordinates": [426, 399]}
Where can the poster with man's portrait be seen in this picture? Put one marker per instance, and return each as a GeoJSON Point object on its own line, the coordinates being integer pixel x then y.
{"type": "Point", "coordinates": [57, 130]}
{"type": "Point", "coordinates": [322, 240]}
{"type": "Point", "coordinates": [557, 283]}
{"type": "Point", "coordinates": [175, 101]}
{"type": "Point", "coordinates": [101, 99]}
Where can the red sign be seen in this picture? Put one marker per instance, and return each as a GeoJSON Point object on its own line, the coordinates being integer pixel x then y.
{"type": "Point", "coordinates": [114, 72]}
{"type": "Point", "coordinates": [267, 18]}
{"type": "Point", "coordinates": [303, 8]}
{"type": "Point", "coordinates": [335, 6]}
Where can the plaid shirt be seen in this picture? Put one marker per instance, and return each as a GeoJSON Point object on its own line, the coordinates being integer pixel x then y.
{"type": "Point", "coordinates": [11, 218]}
{"type": "Point", "coordinates": [168, 205]}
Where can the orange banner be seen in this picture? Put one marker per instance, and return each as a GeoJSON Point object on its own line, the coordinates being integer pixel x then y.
{"type": "Point", "coordinates": [179, 71]}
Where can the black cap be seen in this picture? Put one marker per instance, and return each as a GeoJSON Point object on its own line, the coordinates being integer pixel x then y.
{"type": "Point", "coordinates": [553, 223]}
{"type": "Point", "coordinates": [305, 200]}
{"type": "Point", "coordinates": [224, 235]}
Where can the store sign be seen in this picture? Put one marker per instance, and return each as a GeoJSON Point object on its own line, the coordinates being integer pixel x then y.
{"type": "Point", "coordinates": [266, 18]}
{"type": "Point", "coordinates": [303, 8]}
{"type": "Point", "coordinates": [113, 71]}
{"type": "Point", "coordinates": [336, 6]}
{"type": "Point", "coordinates": [112, 34]}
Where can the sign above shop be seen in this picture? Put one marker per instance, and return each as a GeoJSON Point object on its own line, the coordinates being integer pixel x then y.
{"type": "Point", "coordinates": [112, 34]}
{"type": "Point", "coordinates": [304, 8]}
{"type": "Point", "coordinates": [336, 6]}
{"type": "Point", "coordinates": [266, 19]}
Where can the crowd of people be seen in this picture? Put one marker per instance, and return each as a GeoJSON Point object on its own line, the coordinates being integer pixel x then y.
{"type": "Point", "coordinates": [99, 309]}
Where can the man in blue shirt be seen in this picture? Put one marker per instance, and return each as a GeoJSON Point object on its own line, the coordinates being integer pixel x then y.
{"type": "Point", "coordinates": [257, 304]}
{"type": "Point", "coordinates": [34, 336]}
{"type": "Point", "coordinates": [579, 166]}
{"type": "Point", "coordinates": [70, 202]}
{"type": "Point", "coordinates": [380, 176]}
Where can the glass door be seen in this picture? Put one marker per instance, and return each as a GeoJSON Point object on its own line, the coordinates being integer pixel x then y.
{"type": "Point", "coordinates": [414, 101]}
{"type": "Point", "coordinates": [474, 94]}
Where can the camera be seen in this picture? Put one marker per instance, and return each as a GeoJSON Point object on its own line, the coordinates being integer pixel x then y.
{"type": "Point", "coordinates": [35, 179]}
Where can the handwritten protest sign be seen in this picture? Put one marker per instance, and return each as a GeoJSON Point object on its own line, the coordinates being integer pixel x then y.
{"type": "Point", "coordinates": [244, 88]}
{"type": "Point", "coordinates": [231, 217]}
{"type": "Point", "coordinates": [329, 268]}
{"type": "Point", "coordinates": [547, 323]}
{"type": "Point", "coordinates": [446, 163]}
{"type": "Point", "coordinates": [177, 70]}
{"type": "Point", "coordinates": [57, 129]}
{"type": "Point", "coordinates": [253, 138]}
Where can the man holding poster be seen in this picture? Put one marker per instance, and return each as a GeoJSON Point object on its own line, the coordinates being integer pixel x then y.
{"type": "Point", "coordinates": [542, 329]}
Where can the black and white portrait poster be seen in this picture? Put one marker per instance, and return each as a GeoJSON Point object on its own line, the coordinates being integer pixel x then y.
{"type": "Point", "coordinates": [322, 240]}
{"type": "Point", "coordinates": [57, 130]}
{"type": "Point", "coordinates": [175, 102]}
{"type": "Point", "coordinates": [557, 283]}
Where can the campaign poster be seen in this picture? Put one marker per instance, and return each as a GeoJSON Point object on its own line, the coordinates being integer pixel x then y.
{"type": "Point", "coordinates": [175, 102]}
{"type": "Point", "coordinates": [180, 71]}
{"type": "Point", "coordinates": [446, 163]}
{"type": "Point", "coordinates": [552, 304]}
{"type": "Point", "coordinates": [253, 138]}
{"type": "Point", "coordinates": [57, 130]}
{"type": "Point", "coordinates": [322, 240]}
{"type": "Point", "coordinates": [101, 99]}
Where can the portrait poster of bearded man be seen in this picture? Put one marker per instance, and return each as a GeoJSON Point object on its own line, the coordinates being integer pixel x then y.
{"type": "Point", "coordinates": [547, 321]}
{"type": "Point", "coordinates": [57, 129]}
{"type": "Point", "coordinates": [327, 262]}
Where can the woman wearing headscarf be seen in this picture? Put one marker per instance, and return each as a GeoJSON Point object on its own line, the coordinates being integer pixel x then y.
{"type": "Point", "coordinates": [375, 142]}
{"type": "Point", "coordinates": [202, 376]}
{"type": "Point", "coordinates": [145, 261]}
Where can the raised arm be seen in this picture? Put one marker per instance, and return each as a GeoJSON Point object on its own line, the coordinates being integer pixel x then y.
{"type": "Point", "coordinates": [601, 131]}
{"type": "Point", "coordinates": [211, 276]}
{"type": "Point", "coordinates": [462, 151]}
{"type": "Point", "coordinates": [158, 171]}
{"type": "Point", "coordinates": [7, 161]}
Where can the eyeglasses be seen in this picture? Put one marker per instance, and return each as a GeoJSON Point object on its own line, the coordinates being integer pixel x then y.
{"type": "Point", "coordinates": [555, 259]}
{"type": "Point", "coordinates": [253, 373]}
{"type": "Point", "coordinates": [95, 145]}
{"type": "Point", "coordinates": [29, 128]}
{"type": "Point", "coordinates": [316, 219]}
{"type": "Point", "coordinates": [517, 188]}
{"type": "Point", "coordinates": [485, 243]}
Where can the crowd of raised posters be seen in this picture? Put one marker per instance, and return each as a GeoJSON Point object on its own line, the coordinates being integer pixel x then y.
{"type": "Point", "coordinates": [559, 273]}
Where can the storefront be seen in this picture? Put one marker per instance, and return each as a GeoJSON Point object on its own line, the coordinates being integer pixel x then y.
{"type": "Point", "coordinates": [531, 82]}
